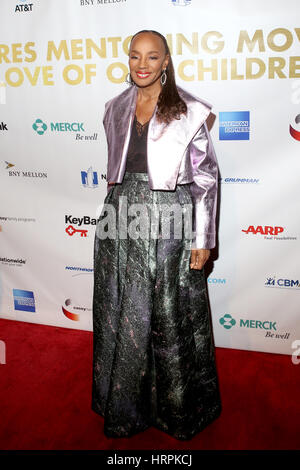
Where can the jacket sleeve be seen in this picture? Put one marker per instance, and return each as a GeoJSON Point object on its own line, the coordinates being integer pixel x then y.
{"type": "Point", "coordinates": [204, 189]}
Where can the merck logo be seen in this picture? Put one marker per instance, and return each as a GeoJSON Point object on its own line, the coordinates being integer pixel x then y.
{"type": "Point", "coordinates": [263, 230]}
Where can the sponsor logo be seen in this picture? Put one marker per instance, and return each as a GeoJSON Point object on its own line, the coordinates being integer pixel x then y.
{"type": "Point", "coordinates": [24, 300]}
{"type": "Point", "coordinates": [282, 283]}
{"type": "Point", "coordinates": [87, 3]}
{"type": "Point", "coordinates": [85, 220]}
{"type": "Point", "coordinates": [24, 173]}
{"type": "Point", "coordinates": [17, 219]}
{"type": "Point", "coordinates": [23, 7]}
{"type": "Point", "coordinates": [263, 230]}
{"type": "Point", "coordinates": [269, 232]}
{"type": "Point", "coordinates": [39, 126]}
{"type": "Point", "coordinates": [13, 261]}
{"type": "Point", "coordinates": [239, 180]}
{"type": "Point", "coordinates": [234, 125]}
{"type": "Point", "coordinates": [78, 270]}
{"type": "Point", "coordinates": [89, 178]}
{"type": "Point", "coordinates": [227, 321]}
{"type": "Point", "coordinates": [215, 280]}
{"type": "Point", "coordinates": [72, 311]}
{"type": "Point", "coordinates": [181, 3]}
{"type": "Point", "coordinates": [3, 126]}
{"type": "Point", "coordinates": [295, 133]}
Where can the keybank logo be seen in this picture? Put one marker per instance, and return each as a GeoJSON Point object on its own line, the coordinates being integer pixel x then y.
{"type": "Point", "coordinates": [234, 125]}
{"type": "Point", "coordinates": [181, 3]}
{"type": "Point", "coordinates": [282, 283]}
{"type": "Point", "coordinates": [227, 321]}
{"type": "Point", "coordinates": [40, 127]}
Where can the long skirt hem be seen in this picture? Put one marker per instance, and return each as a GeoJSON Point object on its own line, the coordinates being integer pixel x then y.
{"type": "Point", "coordinates": [153, 353]}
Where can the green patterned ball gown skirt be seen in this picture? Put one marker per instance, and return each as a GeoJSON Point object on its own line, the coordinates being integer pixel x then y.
{"type": "Point", "coordinates": [153, 353]}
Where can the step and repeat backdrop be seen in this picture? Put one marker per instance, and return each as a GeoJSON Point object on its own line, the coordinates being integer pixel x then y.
{"type": "Point", "coordinates": [60, 61]}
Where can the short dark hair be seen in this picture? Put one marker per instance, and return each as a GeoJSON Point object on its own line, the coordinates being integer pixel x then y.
{"type": "Point", "coordinates": [169, 105]}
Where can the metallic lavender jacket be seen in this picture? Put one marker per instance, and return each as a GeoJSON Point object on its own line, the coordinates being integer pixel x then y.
{"type": "Point", "coordinates": [177, 153]}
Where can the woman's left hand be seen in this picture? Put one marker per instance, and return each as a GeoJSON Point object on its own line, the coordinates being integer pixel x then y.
{"type": "Point", "coordinates": [199, 258]}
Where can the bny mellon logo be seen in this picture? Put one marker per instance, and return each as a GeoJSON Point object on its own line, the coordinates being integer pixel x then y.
{"type": "Point", "coordinates": [9, 165]}
{"type": "Point", "coordinates": [39, 126]}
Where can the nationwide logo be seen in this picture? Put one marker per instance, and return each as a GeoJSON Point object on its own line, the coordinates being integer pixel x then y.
{"type": "Point", "coordinates": [85, 220]}
{"type": "Point", "coordinates": [23, 173]}
{"type": "Point", "coordinates": [295, 133]}
{"type": "Point", "coordinates": [68, 310]}
{"type": "Point", "coordinates": [24, 300]}
{"type": "Point", "coordinates": [181, 3]}
{"type": "Point", "coordinates": [13, 261]}
{"type": "Point", "coordinates": [282, 283]}
{"type": "Point", "coordinates": [3, 126]}
{"type": "Point", "coordinates": [227, 321]}
{"type": "Point", "coordinates": [239, 180]}
{"type": "Point", "coordinates": [234, 125]}
{"type": "Point", "coordinates": [89, 178]}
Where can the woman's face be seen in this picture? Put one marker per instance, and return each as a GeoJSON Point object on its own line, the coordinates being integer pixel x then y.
{"type": "Point", "coordinates": [147, 59]}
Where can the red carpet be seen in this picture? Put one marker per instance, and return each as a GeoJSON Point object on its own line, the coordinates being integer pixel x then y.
{"type": "Point", "coordinates": [45, 397]}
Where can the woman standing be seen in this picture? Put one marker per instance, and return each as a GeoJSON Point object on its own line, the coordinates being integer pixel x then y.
{"type": "Point", "coordinates": [153, 356]}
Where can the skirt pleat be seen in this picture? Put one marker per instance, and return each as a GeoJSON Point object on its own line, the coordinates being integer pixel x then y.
{"type": "Point", "coordinates": [153, 353]}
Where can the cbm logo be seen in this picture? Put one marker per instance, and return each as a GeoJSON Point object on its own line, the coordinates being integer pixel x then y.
{"type": "Point", "coordinates": [89, 178]}
{"type": "Point", "coordinates": [234, 125]}
{"type": "Point", "coordinates": [24, 300]}
{"type": "Point", "coordinates": [181, 3]}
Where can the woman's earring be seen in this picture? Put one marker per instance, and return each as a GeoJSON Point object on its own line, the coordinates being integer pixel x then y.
{"type": "Point", "coordinates": [129, 79]}
{"type": "Point", "coordinates": [163, 77]}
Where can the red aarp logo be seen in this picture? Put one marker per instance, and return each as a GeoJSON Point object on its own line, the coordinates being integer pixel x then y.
{"type": "Point", "coordinates": [264, 230]}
